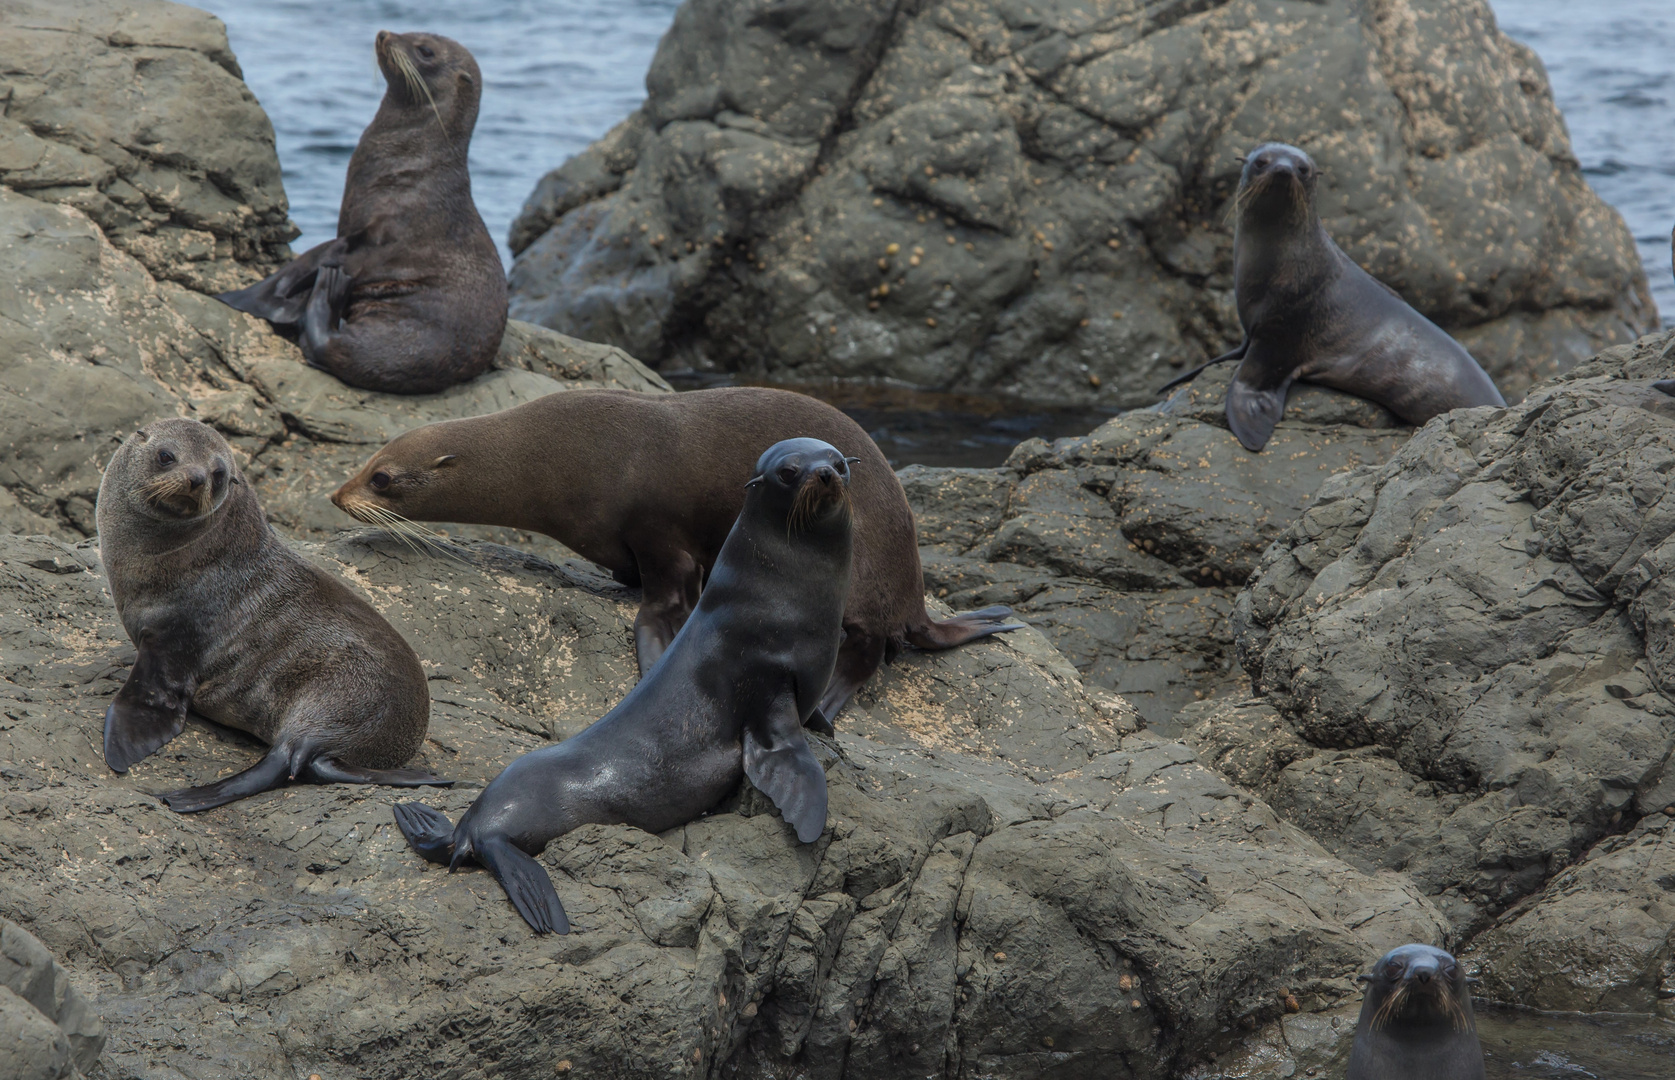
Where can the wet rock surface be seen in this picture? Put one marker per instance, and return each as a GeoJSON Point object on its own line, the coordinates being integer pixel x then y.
{"type": "Point", "coordinates": [1126, 546]}
{"type": "Point", "coordinates": [137, 177]}
{"type": "Point", "coordinates": [1015, 876]}
{"type": "Point", "coordinates": [1033, 197]}
{"type": "Point", "coordinates": [1462, 657]}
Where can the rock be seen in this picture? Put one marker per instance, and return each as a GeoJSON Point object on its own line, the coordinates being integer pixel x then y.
{"type": "Point", "coordinates": [175, 193]}
{"type": "Point", "coordinates": [1462, 657]}
{"type": "Point", "coordinates": [1014, 876]}
{"type": "Point", "coordinates": [1033, 198]}
{"type": "Point", "coordinates": [1124, 545]}
{"type": "Point", "coordinates": [47, 1029]}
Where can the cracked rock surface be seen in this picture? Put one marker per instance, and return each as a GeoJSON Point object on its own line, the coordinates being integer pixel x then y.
{"type": "Point", "coordinates": [138, 177]}
{"type": "Point", "coordinates": [1033, 195]}
{"type": "Point", "coordinates": [1126, 545]}
{"type": "Point", "coordinates": [48, 1031]}
{"type": "Point", "coordinates": [1464, 657]}
{"type": "Point", "coordinates": [1014, 879]}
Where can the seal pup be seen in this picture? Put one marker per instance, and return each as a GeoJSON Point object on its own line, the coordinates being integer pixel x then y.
{"type": "Point", "coordinates": [729, 697]}
{"type": "Point", "coordinates": [647, 486]}
{"type": "Point", "coordinates": [1416, 1020]}
{"type": "Point", "coordinates": [1310, 313]}
{"type": "Point", "coordinates": [232, 624]}
{"type": "Point", "coordinates": [411, 297]}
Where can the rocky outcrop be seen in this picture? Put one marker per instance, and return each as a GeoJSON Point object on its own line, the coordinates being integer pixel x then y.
{"type": "Point", "coordinates": [137, 175]}
{"type": "Point", "coordinates": [48, 1031]}
{"type": "Point", "coordinates": [1463, 657]}
{"type": "Point", "coordinates": [1015, 877]}
{"type": "Point", "coordinates": [1126, 546]}
{"type": "Point", "coordinates": [1033, 197]}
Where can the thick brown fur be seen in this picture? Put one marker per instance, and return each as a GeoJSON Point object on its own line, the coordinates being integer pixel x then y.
{"type": "Point", "coordinates": [411, 296]}
{"type": "Point", "coordinates": [648, 486]}
{"type": "Point", "coordinates": [232, 624]}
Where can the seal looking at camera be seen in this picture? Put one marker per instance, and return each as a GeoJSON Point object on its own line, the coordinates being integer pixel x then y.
{"type": "Point", "coordinates": [411, 296]}
{"type": "Point", "coordinates": [728, 699]}
{"type": "Point", "coordinates": [232, 624]}
{"type": "Point", "coordinates": [1416, 1020]}
{"type": "Point", "coordinates": [1310, 314]}
{"type": "Point", "coordinates": [647, 486]}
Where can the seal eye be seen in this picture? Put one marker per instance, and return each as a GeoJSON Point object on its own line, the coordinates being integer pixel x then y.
{"type": "Point", "coordinates": [164, 458]}
{"type": "Point", "coordinates": [381, 480]}
{"type": "Point", "coordinates": [1393, 969]}
{"type": "Point", "coordinates": [426, 52]}
{"type": "Point", "coordinates": [788, 475]}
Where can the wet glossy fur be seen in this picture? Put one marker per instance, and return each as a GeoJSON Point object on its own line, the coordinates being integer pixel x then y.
{"type": "Point", "coordinates": [1416, 1020]}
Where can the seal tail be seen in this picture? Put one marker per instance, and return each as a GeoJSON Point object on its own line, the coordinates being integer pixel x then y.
{"type": "Point", "coordinates": [967, 626]}
{"type": "Point", "coordinates": [428, 832]}
{"type": "Point", "coordinates": [526, 883]}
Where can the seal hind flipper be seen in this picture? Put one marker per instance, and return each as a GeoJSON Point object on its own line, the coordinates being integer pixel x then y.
{"type": "Point", "coordinates": [428, 831]}
{"type": "Point", "coordinates": [526, 883]}
{"type": "Point", "coordinates": [1234, 354]}
{"type": "Point", "coordinates": [1253, 412]}
{"type": "Point", "coordinates": [282, 297]}
{"type": "Point", "coordinates": [324, 313]}
{"type": "Point", "coordinates": [778, 761]}
{"type": "Point", "coordinates": [273, 771]}
{"type": "Point", "coordinates": [150, 709]}
{"type": "Point", "coordinates": [328, 770]}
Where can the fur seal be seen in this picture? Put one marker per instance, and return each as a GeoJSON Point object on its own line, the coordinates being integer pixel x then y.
{"type": "Point", "coordinates": [1416, 1020]}
{"type": "Point", "coordinates": [1310, 313]}
{"type": "Point", "coordinates": [729, 697]}
{"type": "Point", "coordinates": [231, 623]}
{"type": "Point", "coordinates": [411, 297]}
{"type": "Point", "coordinates": [647, 486]}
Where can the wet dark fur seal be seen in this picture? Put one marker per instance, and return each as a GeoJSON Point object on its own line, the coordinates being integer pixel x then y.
{"type": "Point", "coordinates": [647, 486]}
{"type": "Point", "coordinates": [411, 297]}
{"type": "Point", "coordinates": [1416, 1020]}
{"type": "Point", "coordinates": [230, 623]}
{"type": "Point", "coordinates": [1310, 313]}
{"type": "Point", "coordinates": [729, 698]}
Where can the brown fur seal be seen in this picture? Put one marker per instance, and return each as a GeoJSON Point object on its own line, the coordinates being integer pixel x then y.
{"type": "Point", "coordinates": [728, 699]}
{"type": "Point", "coordinates": [411, 297]}
{"type": "Point", "coordinates": [1416, 1020]}
{"type": "Point", "coordinates": [647, 486]}
{"type": "Point", "coordinates": [230, 623]}
{"type": "Point", "coordinates": [1310, 313]}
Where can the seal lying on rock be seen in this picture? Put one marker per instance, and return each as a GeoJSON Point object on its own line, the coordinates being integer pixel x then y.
{"type": "Point", "coordinates": [647, 487]}
{"type": "Point", "coordinates": [411, 296]}
{"type": "Point", "coordinates": [729, 697]}
{"type": "Point", "coordinates": [1310, 313]}
{"type": "Point", "coordinates": [1416, 1020]}
{"type": "Point", "coordinates": [231, 623]}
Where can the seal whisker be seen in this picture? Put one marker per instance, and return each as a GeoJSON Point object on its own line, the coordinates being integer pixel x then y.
{"type": "Point", "coordinates": [417, 84]}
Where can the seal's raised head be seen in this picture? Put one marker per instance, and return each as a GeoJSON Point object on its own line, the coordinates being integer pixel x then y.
{"type": "Point", "coordinates": [174, 470]}
{"type": "Point", "coordinates": [1416, 1020]}
{"type": "Point", "coordinates": [1277, 185]}
{"type": "Point", "coordinates": [433, 71]}
{"type": "Point", "coordinates": [805, 480]}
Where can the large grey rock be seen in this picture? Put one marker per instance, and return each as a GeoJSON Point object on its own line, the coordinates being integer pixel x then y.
{"type": "Point", "coordinates": [1015, 877]}
{"type": "Point", "coordinates": [47, 1028]}
{"type": "Point", "coordinates": [1464, 662]}
{"type": "Point", "coordinates": [137, 175]}
{"type": "Point", "coordinates": [1125, 545]}
{"type": "Point", "coordinates": [1034, 196]}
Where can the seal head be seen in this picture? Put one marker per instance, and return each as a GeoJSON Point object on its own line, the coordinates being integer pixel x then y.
{"type": "Point", "coordinates": [1416, 1020]}
{"type": "Point", "coordinates": [727, 700]}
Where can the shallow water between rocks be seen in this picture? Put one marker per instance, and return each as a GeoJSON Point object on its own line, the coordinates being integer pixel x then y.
{"type": "Point", "coordinates": [1521, 1044]}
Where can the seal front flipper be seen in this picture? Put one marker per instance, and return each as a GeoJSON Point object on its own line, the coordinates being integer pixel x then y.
{"type": "Point", "coordinates": [428, 831]}
{"type": "Point", "coordinates": [526, 883]}
{"type": "Point", "coordinates": [1252, 412]}
{"type": "Point", "coordinates": [328, 770]}
{"type": "Point", "coordinates": [273, 771]}
{"type": "Point", "coordinates": [1235, 354]}
{"type": "Point", "coordinates": [778, 761]}
{"type": "Point", "coordinates": [150, 709]}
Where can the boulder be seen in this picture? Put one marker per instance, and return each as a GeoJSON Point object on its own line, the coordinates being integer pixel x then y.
{"type": "Point", "coordinates": [1034, 197]}
{"type": "Point", "coordinates": [1125, 546]}
{"type": "Point", "coordinates": [1015, 877]}
{"type": "Point", "coordinates": [1462, 657]}
{"type": "Point", "coordinates": [48, 1030]}
{"type": "Point", "coordinates": [137, 177]}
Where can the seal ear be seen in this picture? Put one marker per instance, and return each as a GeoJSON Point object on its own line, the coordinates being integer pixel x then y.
{"type": "Point", "coordinates": [141, 434]}
{"type": "Point", "coordinates": [1365, 978]}
{"type": "Point", "coordinates": [851, 461]}
{"type": "Point", "coordinates": [753, 481]}
{"type": "Point", "coordinates": [445, 459]}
